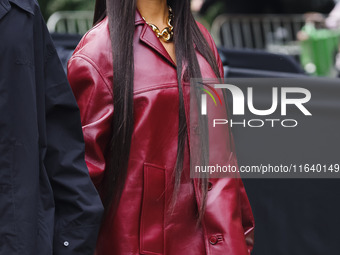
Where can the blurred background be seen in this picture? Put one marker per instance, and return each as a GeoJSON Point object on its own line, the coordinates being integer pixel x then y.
{"type": "Point", "coordinates": [307, 31]}
{"type": "Point", "coordinates": [267, 39]}
{"type": "Point", "coordinates": [49, 7]}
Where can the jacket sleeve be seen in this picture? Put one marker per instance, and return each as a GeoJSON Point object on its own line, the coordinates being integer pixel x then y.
{"type": "Point", "coordinates": [95, 102]}
{"type": "Point", "coordinates": [248, 222]}
{"type": "Point", "coordinates": [212, 45]}
{"type": "Point", "coordinates": [246, 212]}
{"type": "Point", "coordinates": [247, 218]}
{"type": "Point", "coordinates": [78, 209]}
{"type": "Point", "coordinates": [218, 58]}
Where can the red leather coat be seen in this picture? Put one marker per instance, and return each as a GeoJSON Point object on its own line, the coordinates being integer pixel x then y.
{"type": "Point", "coordinates": [144, 223]}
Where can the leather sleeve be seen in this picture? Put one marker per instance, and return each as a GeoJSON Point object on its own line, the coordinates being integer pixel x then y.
{"type": "Point", "coordinates": [78, 209]}
{"type": "Point", "coordinates": [95, 102]}
{"type": "Point", "coordinates": [246, 212]}
{"type": "Point", "coordinates": [247, 218]}
{"type": "Point", "coordinates": [212, 45]}
{"type": "Point", "coordinates": [217, 56]}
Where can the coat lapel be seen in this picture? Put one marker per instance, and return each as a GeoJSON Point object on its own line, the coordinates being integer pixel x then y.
{"type": "Point", "coordinates": [148, 37]}
{"type": "Point", "coordinates": [28, 6]}
{"type": "Point", "coordinates": [5, 7]}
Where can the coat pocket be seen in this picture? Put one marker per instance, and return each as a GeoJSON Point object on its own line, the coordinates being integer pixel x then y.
{"type": "Point", "coordinates": [152, 214]}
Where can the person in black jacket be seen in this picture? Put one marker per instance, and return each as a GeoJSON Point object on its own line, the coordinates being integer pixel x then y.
{"type": "Point", "coordinates": [48, 204]}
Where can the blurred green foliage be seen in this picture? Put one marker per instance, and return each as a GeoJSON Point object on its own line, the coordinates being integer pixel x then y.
{"type": "Point", "coordinates": [50, 6]}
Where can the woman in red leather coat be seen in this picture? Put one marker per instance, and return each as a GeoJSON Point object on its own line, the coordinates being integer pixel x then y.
{"type": "Point", "coordinates": [130, 80]}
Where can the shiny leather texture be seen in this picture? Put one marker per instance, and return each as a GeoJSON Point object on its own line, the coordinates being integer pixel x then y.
{"type": "Point", "coordinates": [144, 222]}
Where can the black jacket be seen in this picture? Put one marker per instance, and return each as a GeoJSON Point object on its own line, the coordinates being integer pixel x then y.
{"type": "Point", "coordinates": [48, 204]}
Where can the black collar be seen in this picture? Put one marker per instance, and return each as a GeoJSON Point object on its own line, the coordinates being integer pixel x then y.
{"type": "Point", "coordinates": [27, 5]}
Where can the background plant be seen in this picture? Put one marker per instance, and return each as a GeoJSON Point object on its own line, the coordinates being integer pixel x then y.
{"type": "Point", "coordinates": [50, 6]}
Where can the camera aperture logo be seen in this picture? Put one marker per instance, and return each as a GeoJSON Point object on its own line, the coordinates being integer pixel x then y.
{"type": "Point", "coordinates": [204, 97]}
{"type": "Point", "coordinates": [240, 101]}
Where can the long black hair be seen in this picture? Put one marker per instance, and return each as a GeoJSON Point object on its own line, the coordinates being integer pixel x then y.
{"type": "Point", "coordinates": [187, 36]}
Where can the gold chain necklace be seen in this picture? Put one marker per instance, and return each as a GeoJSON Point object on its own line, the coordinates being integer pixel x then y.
{"type": "Point", "coordinates": [167, 33]}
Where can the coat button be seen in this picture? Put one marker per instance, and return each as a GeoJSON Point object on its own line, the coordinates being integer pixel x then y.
{"type": "Point", "coordinates": [213, 240]}
{"type": "Point", "coordinates": [210, 186]}
{"type": "Point", "coordinates": [66, 243]}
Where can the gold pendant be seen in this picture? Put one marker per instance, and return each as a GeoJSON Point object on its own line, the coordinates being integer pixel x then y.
{"type": "Point", "coordinates": [167, 33]}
